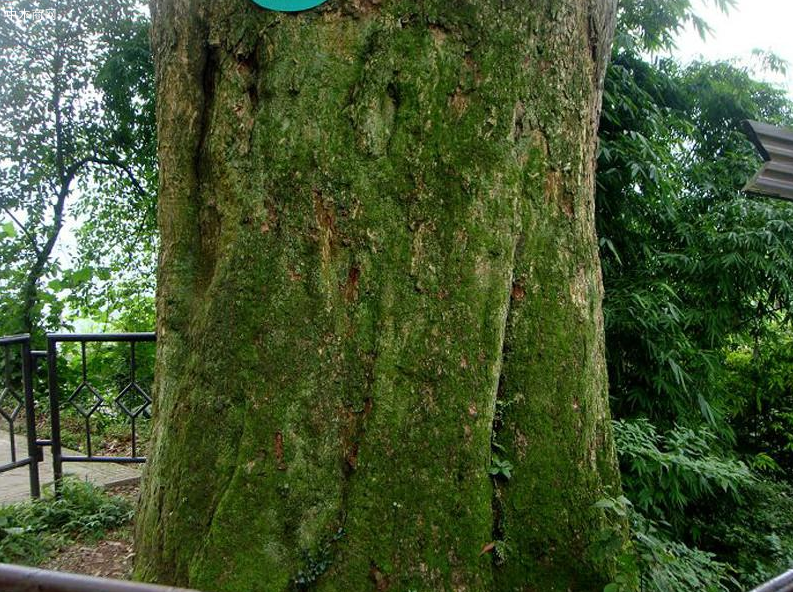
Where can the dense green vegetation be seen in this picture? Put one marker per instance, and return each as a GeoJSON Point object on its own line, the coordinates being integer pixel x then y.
{"type": "Point", "coordinates": [698, 304]}
{"type": "Point", "coordinates": [31, 531]}
{"type": "Point", "coordinates": [77, 148]}
{"type": "Point", "coordinates": [698, 279]}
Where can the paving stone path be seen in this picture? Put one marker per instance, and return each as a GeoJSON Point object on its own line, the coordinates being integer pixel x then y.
{"type": "Point", "coordinates": [15, 484]}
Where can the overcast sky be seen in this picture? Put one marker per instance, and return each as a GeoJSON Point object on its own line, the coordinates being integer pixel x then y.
{"type": "Point", "coordinates": [752, 24]}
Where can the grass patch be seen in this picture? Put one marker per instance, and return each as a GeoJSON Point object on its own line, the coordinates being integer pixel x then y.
{"type": "Point", "coordinates": [30, 531]}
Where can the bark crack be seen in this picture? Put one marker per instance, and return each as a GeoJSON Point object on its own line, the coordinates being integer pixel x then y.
{"type": "Point", "coordinates": [209, 219]}
{"type": "Point", "coordinates": [516, 293]}
{"type": "Point", "coordinates": [602, 22]}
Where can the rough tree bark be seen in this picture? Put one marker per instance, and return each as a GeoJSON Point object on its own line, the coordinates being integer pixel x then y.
{"type": "Point", "coordinates": [378, 270]}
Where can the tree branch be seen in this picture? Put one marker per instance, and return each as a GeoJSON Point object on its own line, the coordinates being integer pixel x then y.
{"type": "Point", "coordinates": [119, 165]}
{"type": "Point", "coordinates": [24, 230]}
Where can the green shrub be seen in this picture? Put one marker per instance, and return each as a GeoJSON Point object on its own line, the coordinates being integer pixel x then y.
{"type": "Point", "coordinates": [666, 564]}
{"type": "Point", "coordinates": [754, 536]}
{"type": "Point", "coordinates": [759, 387]}
{"type": "Point", "coordinates": [29, 531]}
{"type": "Point", "coordinates": [655, 561]}
{"type": "Point", "coordinates": [665, 474]}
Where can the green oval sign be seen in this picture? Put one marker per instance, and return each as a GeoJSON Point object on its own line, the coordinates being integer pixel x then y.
{"type": "Point", "coordinates": [289, 5]}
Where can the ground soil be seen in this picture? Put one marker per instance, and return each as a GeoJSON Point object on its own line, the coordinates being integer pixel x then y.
{"type": "Point", "coordinates": [109, 557]}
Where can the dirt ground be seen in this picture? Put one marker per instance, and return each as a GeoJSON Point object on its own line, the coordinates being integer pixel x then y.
{"type": "Point", "coordinates": [110, 557]}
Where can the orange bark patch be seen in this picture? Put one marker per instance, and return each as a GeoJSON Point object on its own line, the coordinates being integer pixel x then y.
{"type": "Point", "coordinates": [518, 292]}
{"type": "Point", "coordinates": [352, 456]}
{"type": "Point", "coordinates": [279, 451]}
{"type": "Point", "coordinates": [352, 432]}
{"type": "Point", "coordinates": [351, 286]}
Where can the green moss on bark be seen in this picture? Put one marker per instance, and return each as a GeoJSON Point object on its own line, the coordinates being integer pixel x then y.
{"type": "Point", "coordinates": [376, 223]}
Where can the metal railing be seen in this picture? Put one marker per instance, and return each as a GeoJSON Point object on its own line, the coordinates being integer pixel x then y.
{"type": "Point", "coordinates": [783, 583]}
{"type": "Point", "coordinates": [132, 399]}
{"type": "Point", "coordinates": [16, 578]}
{"type": "Point", "coordinates": [128, 397]}
{"type": "Point", "coordinates": [17, 395]}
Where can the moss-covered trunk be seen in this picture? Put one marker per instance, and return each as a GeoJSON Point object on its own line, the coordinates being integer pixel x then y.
{"type": "Point", "coordinates": [378, 271]}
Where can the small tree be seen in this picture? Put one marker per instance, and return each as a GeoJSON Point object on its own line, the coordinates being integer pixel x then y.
{"type": "Point", "coordinates": [72, 122]}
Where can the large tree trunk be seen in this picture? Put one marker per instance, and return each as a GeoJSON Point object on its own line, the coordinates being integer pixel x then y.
{"type": "Point", "coordinates": [378, 270]}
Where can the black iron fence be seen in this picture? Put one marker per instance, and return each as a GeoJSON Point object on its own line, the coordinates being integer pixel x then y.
{"type": "Point", "coordinates": [71, 389]}
{"type": "Point", "coordinates": [16, 397]}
